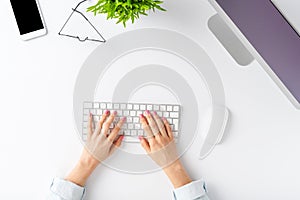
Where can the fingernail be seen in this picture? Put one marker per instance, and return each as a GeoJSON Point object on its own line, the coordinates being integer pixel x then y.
{"type": "Point", "coordinates": [122, 137]}
{"type": "Point", "coordinates": [90, 114]}
{"type": "Point", "coordinates": [106, 112]}
{"type": "Point", "coordinates": [141, 115]}
{"type": "Point", "coordinates": [115, 112]}
{"type": "Point", "coordinates": [123, 119]}
{"type": "Point", "coordinates": [155, 113]}
{"type": "Point", "coordinates": [140, 137]}
{"type": "Point", "coordinates": [147, 112]}
{"type": "Point", "coordinates": [163, 118]}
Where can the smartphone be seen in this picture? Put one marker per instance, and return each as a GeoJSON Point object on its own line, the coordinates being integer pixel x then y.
{"type": "Point", "coordinates": [29, 18]}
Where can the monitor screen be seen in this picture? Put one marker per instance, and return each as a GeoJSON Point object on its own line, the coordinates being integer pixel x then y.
{"type": "Point", "coordinates": [271, 35]}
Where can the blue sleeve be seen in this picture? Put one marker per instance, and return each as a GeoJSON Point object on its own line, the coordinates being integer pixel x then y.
{"type": "Point", "coordinates": [65, 190]}
{"type": "Point", "coordinates": [193, 191]}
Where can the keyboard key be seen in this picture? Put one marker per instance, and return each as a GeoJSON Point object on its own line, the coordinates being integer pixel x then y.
{"type": "Point", "coordinates": [136, 107]}
{"type": "Point", "coordinates": [96, 118]}
{"type": "Point", "coordinates": [163, 108]}
{"type": "Point", "coordinates": [137, 126]}
{"type": "Point", "coordinates": [103, 106]}
{"type": "Point", "coordinates": [126, 113]}
{"type": "Point", "coordinates": [84, 137]}
{"type": "Point", "coordinates": [138, 113]}
{"type": "Point", "coordinates": [88, 105]}
{"type": "Point", "coordinates": [159, 114]}
{"type": "Point", "coordinates": [136, 119]}
{"type": "Point", "coordinates": [174, 114]}
{"type": "Point", "coordinates": [116, 106]}
{"type": "Point", "coordinates": [175, 127]}
{"type": "Point", "coordinates": [176, 108]}
{"type": "Point", "coordinates": [96, 105]}
{"type": "Point", "coordinates": [93, 111]}
{"type": "Point", "coordinates": [169, 108]}
{"type": "Point", "coordinates": [85, 118]}
{"type": "Point", "coordinates": [175, 133]}
{"type": "Point", "coordinates": [127, 132]}
{"type": "Point", "coordinates": [172, 126]}
{"type": "Point", "coordinates": [109, 106]}
{"type": "Point", "coordinates": [129, 120]}
{"type": "Point", "coordinates": [99, 112]}
{"type": "Point", "coordinates": [129, 106]}
{"type": "Point", "coordinates": [86, 111]}
{"type": "Point", "coordinates": [149, 107]}
{"type": "Point", "coordinates": [143, 107]}
{"type": "Point", "coordinates": [175, 121]}
{"type": "Point", "coordinates": [156, 107]}
{"type": "Point", "coordinates": [132, 113]}
{"type": "Point", "coordinates": [85, 124]}
{"type": "Point", "coordinates": [130, 126]}
{"type": "Point", "coordinates": [140, 132]}
{"type": "Point", "coordinates": [166, 114]}
{"type": "Point", "coordinates": [123, 106]}
{"type": "Point", "coordinates": [134, 133]}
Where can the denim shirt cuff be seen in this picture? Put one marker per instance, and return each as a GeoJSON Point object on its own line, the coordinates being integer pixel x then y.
{"type": "Point", "coordinates": [67, 190]}
{"type": "Point", "coordinates": [193, 190]}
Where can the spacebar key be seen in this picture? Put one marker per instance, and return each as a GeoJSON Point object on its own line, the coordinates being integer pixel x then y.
{"type": "Point", "coordinates": [131, 139]}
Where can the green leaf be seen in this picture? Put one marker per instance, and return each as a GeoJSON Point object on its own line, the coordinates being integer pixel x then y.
{"type": "Point", "coordinates": [132, 18]}
{"type": "Point", "coordinates": [125, 10]}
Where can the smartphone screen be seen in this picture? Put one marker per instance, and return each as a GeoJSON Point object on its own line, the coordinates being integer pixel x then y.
{"type": "Point", "coordinates": [27, 15]}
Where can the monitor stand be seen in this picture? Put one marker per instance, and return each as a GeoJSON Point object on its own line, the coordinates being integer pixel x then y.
{"type": "Point", "coordinates": [229, 40]}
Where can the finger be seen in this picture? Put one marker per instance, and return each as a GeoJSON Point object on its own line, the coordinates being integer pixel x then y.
{"type": "Point", "coordinates": [112, 136]}
{"type": "Point", "coordinates": [90, 124]}
{"type": "Point", "coordinates": [145, 144]}
{"type": "Point", "coordinates": [107, 123]}
{"type": "Point", "coordinates": [152, 123]}
{"type": "Point", "coordinates": [168, 128]}
{"type": "Point", "coordinates": [146, 127]}
{"type": "Point", "coordinates": [160, 124]}
{"type": "Point", "coordinates": [116, 144]}
{"type": "Point", "coordinates": [101, 121]}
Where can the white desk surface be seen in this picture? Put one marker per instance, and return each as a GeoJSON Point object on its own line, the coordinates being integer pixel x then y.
{"type": "Point", "coordinates": [258, 159]}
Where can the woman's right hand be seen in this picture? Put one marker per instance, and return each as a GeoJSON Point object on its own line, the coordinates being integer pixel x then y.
{"type": "Point", "coordinates": [159, 143]}
{"type": "Point", "coordinates": [160, 146]}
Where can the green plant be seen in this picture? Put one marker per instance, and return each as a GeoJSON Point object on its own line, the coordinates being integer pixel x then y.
{"type": "Point", "coordinates": [125, 10]}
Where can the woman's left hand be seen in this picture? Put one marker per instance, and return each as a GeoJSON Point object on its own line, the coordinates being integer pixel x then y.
{"type": "Point", "coordinates": [99, 146]}
{"type": "Point", "coordinates": [101, 142]}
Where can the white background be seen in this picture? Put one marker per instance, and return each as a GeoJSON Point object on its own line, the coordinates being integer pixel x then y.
{"type": "Point", "coordinates": [258, 159]}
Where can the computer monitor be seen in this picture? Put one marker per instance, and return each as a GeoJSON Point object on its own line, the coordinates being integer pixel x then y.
{"type": "Point", "coordinates": [268, 36]}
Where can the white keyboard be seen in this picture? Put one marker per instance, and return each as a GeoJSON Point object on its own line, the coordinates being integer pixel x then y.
{"type": "Point", "coordinates": [132, 128]}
